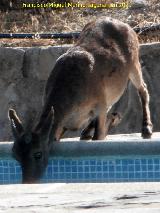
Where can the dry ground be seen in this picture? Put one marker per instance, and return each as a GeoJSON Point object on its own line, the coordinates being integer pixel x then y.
{"type": "Point", "coordinates": [73, 19]}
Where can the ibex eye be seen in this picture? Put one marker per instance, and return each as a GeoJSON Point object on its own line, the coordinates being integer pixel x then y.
{"type": "Point", "coordinates": [38, 155]}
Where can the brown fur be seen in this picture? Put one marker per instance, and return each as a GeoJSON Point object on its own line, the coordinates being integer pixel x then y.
{"type": "Point", "coordinates": [90, 77]}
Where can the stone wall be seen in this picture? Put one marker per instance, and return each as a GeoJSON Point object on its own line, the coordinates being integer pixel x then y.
{"type": "Point", "coordinates": [24, 71]}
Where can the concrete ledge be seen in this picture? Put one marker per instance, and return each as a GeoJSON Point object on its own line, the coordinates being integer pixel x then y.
{"type": "Point", "coordinates": [79, 198]}
{"type": "Point", "coordinates": [129, 144]}
{"type": "Point", "coordinates": [149, 48]}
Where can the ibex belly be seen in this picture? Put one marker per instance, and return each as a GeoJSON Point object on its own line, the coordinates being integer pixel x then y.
{"type": "Point", "coordinates": [79, 118]}
{"type": "Point", "coordinates": [115, 87]}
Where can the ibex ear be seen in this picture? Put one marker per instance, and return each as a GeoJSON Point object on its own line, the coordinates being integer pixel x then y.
{"type": "Point", "coordinates": [16, 124]}
{"type": "Point", "coordinates": [46, 128]}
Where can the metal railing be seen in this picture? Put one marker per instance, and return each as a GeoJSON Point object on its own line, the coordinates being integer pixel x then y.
{"type": "Point", "coordinates": [70, 35]}
{"type": "Point", "coordinates": [40, 35]}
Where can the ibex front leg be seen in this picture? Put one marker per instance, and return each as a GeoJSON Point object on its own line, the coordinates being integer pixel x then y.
{"type": "Point", "coordinates": [100, 127]}
{"type": "Point", "coordinates": [146, 123]}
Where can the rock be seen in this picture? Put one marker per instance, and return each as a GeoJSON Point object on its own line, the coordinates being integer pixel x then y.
{"type": "Point", "coordinates": [38, 62]}
{"type": "Point", "coordinates": [136, 4]}
{"type": "Point", "coordinates": [11, 63]}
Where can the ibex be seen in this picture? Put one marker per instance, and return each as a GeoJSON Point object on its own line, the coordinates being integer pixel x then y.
{"type": "Point", "coordinates": [83, 85]}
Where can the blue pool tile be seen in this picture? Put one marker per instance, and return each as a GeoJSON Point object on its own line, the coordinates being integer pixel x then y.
{"type": "Point", "coordinates": [105, 175]}
{"type": "Point", "coordinates": [118, 161]}
{"type": "Point", "coordinates": [156, 161]}
{"type": "Point", "coordinates": [137, 167]}
{"type": "Point", "coordinates": [61, 162]}
{"type": "Point", "coordinates": [61, 169]}
{"type": "Point", "coordinates": [111, 175]}
{"type": "Point", "coordinates": [74, 175]}
{"type": "Point", "coordinates": [137, 161]}
{"type": "Point", "coordinates": [143, 161]}
{"type": "Point", "coordinates": [150, 167]}
{"type": "Point", "coordinates": [80, 163]}
{"type": "Point", "coordinates": [74, 168]}
{"type": "Point", "coordinates": [89, 170]}
{"type": "Point", "coordinates": [6, 170]}
{"type": "Point", "coordinates": [124, 162]}
{"type": "Point", "coordinates": [55, 162]}
{"type": "Point", "coordinates": [86, 162]}
{"type": "Point", "coordinates": [99, 176]}
{"type": "Point", "coordinates": [93, 169]}
{"type": "Point", "coordinates": [86, 175]}
{"type": "Point", "coordinates": [67, 163]}
{"type": "Point", "coordinates": [118, 175]}
{"type": "Point", "coordinates": [124, 175]}
{"type": "Point", "coordinates": [18, 177]}
{"type": "Point", "coordinates": [150, 161]}
{"type": "Point", "coordinates": [144, 167]}
{"type": "Point", "coordinates": [49, 169]}
{"type": "Point", "coordinates": [93, 175]}
{"type": "Point", "coordinates": [5, 164]}
{"type": "Point", "coordinates": [80, 169]}
{"type": "Point", "coordinates": [99, 168]}
{"type": "Point", "coordinates": [55, 175]}
{"type": "Point", "coordinates": [12, 176]}
{"type": "Point", "coordinates": [11, 163]}
{"type": "Point", "coordinates": [86, 169]}
{"type": "Point", "coordinates": [130, 161]}
{"type": "Point", "coordinates": [131, 168]}
{"type": "Point", "coordinates": [93, 162]}
{"type": "Point", "coordinates": [137, 175]}
{"type": "Point", "coordinates": [80, 175]}
{"type": "Point", "coordinates": [144, 175]}
{"type": "Point", "coordinates": [105, 163]}
{"type": "Point", "coordinates": [157, 167]}
{"type": "Point", "coordinates": [12, 170]}
{"type": "Point", "coordinates": [111, 168]}
{"type": "Point", "coordinates": [55, 168]}
{"type": "Point", "coordinates": [99, 162]}
{"type": "Point", "coordinates": [124, 168]}
{"type": "Point", "coordinates": [131, 175]}
{"type": "Point", "coordinates": [118, 168]}
{"type": "Point", "coordinates": [150, 174]}
{"type": "Point", "coordinates": [111, 162]}
{"type": "Point", "coordinates": [18, 169]}
{"type": "Point", "coordinates": [157, 175]}
{"type": "Point", "coordinates": [69, 175]}
{"type": "Point", "coordinates": [68, 169]}
{"type": "Point", "coordinates": [74, 163]}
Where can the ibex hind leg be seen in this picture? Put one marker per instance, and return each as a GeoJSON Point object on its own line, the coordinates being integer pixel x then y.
{"type": "Point", "coordinates": [95, 128]}
{"type": "Point", "coordinates": [88, 132]}
{"type": "Point", "coordinates": [138, 82]}
{"type": "Point", "coordinates": [111, 120]}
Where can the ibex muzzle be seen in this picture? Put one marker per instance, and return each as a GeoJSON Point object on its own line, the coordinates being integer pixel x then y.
{"type": "Point", "coordinates": [84, 84]}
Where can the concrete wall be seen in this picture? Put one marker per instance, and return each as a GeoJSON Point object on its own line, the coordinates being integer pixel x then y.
{"type": "Point", "coordinates": [23, 73]}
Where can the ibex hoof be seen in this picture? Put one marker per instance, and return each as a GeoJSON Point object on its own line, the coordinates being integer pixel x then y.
{"type": "Point", "coordinates": [147, 132]}
{"type": "Point", "coordinates": [86, 137]}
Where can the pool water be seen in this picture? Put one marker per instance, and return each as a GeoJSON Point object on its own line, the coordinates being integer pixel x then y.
{"type": "Point", "coordinates": [89, 169]}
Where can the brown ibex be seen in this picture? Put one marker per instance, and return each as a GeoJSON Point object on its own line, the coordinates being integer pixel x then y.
{"type": "Point", "coordinates": [85, 82]}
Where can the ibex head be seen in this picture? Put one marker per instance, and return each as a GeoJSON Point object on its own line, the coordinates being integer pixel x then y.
{"type": "Point", "coordinates": [31, 148]}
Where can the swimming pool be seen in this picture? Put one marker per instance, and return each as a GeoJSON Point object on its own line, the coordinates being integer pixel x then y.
{"type": "Point", "coordinates": [123, 161]}
{"type": "Point", "coordinates": [98, 169]}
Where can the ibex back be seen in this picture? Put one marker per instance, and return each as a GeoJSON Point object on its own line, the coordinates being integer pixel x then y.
{"type": "Point", "coordinates": [84, 84]}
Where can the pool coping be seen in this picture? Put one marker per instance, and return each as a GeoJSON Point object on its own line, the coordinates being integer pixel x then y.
{"type": "Point", "coordinates": [120, 145]}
